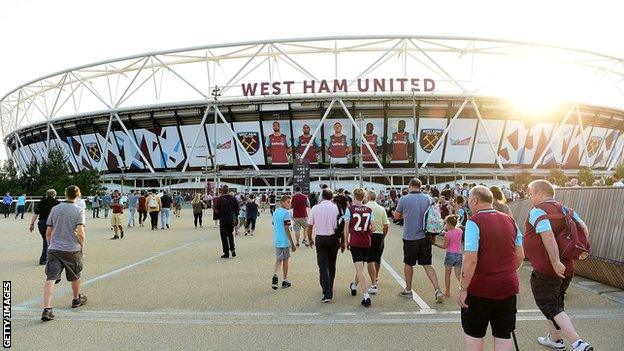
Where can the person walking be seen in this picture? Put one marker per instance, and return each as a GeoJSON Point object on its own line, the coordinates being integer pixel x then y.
{"type": "Point", "coordinates": [198, 210]}
{"type": "Point", "coordinates": [133, 201]}
{"type": "Point", "coordinates": [300, 205]}
{"type": "Point", "coordinates": [252, 214]}
{"type": "Point", "coordinates": [165, 210]}
{"type": "Point", "coordinates": [452, 243]}
{"type": "Point", "coordinates": [500, 202]}
{"type": "Point", "coordinates": [142, 209]}
{"type": "Point", "coordinates": [551, 274]}
{"type": "Point", "coordinates": [106, 201]}
{"type": "Point", "coordinates": [21, 206]}
{"type": "Point", "coordinates": [489, 280]}
{"type": "Point", "coordinates": [66, 236]}
{"type": "Point", "coordinates": [416, 245]}
{"type": "Point", "coordinates": [153, 208]}
{"type": "Point", "coordinates": [227, 209]}
{"type": "Point", "coordinates": [7, 200]}
{"type": "Point", "coordinates": [272, 199]}
{"type": "Point", "coordinates": [40, 217]}
{"type": "Point", "coordinates": [283, 242]}
{"type": "Point", "coordinates": [376, 249]}
{"type": "Point", "coordinates": [179, 201]}
{"type": "Point", "coordinates": [215, 214]}
{"type": "Point", "coordinates": [117, 218]}
{"type": "Point", "coordinates": [95, 206]}
{"type": "Point", "coordinates": [328, 237]}
{"type": "Point", "coordinates": [359, 224]}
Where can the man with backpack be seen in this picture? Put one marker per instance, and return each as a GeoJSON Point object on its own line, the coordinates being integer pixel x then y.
{"type": "Point", "coordinates": [554, 237]}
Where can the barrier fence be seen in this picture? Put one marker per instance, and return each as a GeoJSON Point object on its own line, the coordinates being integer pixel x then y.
{"type": "Point", "coordinates": [602, 210]}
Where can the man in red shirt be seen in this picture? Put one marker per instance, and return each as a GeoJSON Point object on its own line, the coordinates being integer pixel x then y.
{"type": "Point", "coordinates": [358, 227]}
{"type": "Point", "coordinates": [489, 284]}
{"type": "Point", "coordinates": [338, 145]}
{"type": "Point", "coordinates": [302, 142]}
{"type": "Point", "coordinates": [278, 146]}
{"type": "Point", "coordinates": [401, 143]}
{"type": "Point", "coordinates": [374, 141]}
{"type": "Point", "coordinates": [300, 205]}
{"type": "Point", "coordinates": [116, 220]}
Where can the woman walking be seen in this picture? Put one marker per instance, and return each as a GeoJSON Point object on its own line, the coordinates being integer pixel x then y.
{"type": "Point", "coordinates": [153, 208]}
{"type": "Point", "coordinates": [198, 210]}
{"type": "Point", "coordinates": [499, 203]}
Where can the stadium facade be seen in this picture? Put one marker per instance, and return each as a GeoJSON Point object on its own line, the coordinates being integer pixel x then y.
{"type": "Point", "coordinates": [448, 105]}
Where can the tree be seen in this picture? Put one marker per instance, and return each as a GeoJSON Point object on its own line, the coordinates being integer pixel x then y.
{"type": "Point", "coordinates": [619, 172]}
{"type": "Point", "coordinates": [88, 181]}
{"type": "Point", "coordinates": [521, 180]}
{"type": "Point", "coordinates": [9, 178]}
{"type": "Point", "coordinates": [559, 176]}
{"type": "Point", "coordinates": [586, 175]}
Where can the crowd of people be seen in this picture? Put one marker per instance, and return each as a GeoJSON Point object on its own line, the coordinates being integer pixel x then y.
{"type": "Point", "coordinates": [484, 248]}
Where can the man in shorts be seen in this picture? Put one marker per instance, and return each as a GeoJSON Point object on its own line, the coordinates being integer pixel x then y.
{"type": "Point", "coordinates": [66, 239]}
{"type": "Point", "coordinates": [416, 245]}
{"type": "Point", "coordinates": [300, 205]}
{"type": "Point", "coordinates": [117, 218]}
{"type": "Point", "coordinates": [282, 238]}
{"type": "Point", "coordinates": [377, 240]}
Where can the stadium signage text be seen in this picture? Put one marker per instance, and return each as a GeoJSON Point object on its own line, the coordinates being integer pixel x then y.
{"type": "Point", "coordinates": [362, 85]}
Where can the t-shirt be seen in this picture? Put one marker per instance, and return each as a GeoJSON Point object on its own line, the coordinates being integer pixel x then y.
{"type": "Point", "coordinates": [106, 199]}
{"type": "Point", "coordinates": [413, 207]}
{"type": "Point", "coordinates": [133, 200]}
{"type": "Point", "coordinates": [358, 218]}
{"type": "Point", "coordinates": [300, 205]}
{"type": "Point", "coordinates": [252, 209]}
{"type": "Point", "coordinates": [379, 213]}
{"type": "Point", "coordinates": [165, 201]}
{"type": "Point", "coordinates": [453, 238]}
{"type": "Point", "coordinates": [45, 206]}
{"type": "Point", "coordinates": [272, 199]}
{"type": "Point", "coordinates": [21, 201]}
{"type": "Point", "coordinates": [117, 207]}
{"type": "Point", "coordinates": [64, 219]}
{"type": "Point", "coordinates": [281, 218]}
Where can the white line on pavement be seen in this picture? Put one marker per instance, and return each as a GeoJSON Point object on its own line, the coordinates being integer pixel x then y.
{"type": "Point", "coordinates": [421, 303]}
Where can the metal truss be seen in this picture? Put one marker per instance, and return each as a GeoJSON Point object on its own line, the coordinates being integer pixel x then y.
{"type": "Point", "coordinates": [469, 67]}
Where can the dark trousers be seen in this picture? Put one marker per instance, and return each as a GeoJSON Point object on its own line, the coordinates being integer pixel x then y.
{"type": "Point", "coordinates": [154, 218]}
{"type": "Point", "coordinates": [41, 224]}
{"type": "Point", "coordinates": [197, 217]}
{"type": "Point", "coordinates": [272, 208]}
{"type": "Point", "coordinates": [20, 210]}
{"type": "Point", "coordinates": [142, 216]}
{"type": "Point", "coordinates": [227, 237]}
{"type": "Point", "coordinates": [7, 210]}
{"type": "Point", "coordinates": [326, 254]}
{"type": "Point", "coordinates": [251, 223]}
{"type": "Point", "coordinates": [96, 212]}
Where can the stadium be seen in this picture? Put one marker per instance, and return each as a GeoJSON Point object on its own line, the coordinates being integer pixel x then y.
{"type": "Point", "coordinates": [383, 107]}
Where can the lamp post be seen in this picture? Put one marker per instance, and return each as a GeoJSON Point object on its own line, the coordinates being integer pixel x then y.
{"type": "Point", "coordinates": [415, 131]}
{"type": "Point", "coordinates": [361, 164]}
{"type": "Point", "coordinates": [122, 168]}
{"type": "Point", "coordinates": [216, 92]}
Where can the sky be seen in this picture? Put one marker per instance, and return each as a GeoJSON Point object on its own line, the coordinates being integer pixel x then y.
{"type": "Point", "coordinates": [42, 37]}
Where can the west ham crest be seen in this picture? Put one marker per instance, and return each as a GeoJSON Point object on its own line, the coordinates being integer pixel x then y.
{"type": "Point", "coordinates": [429, 138]}
{"type": "Point", "coordinates": [250, 141]}
{"type": "Point", "coordinates": [94, 151]}
{"type": "Point", "coordinates": [592, 145]}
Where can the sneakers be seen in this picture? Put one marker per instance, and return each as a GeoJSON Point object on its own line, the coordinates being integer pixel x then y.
{"type": "Point", "coordinates": [582, 346]}
{"type": "Point", "coordinates": [326, 299]}
{"type": "Point", "coordinates": [122, 233]}
{"type": "Point", "coordinates": [167, 226]}
{"type": "Point", "coordinates": [47, 315]}
{"type": "Point", "coordinates": [286, 284]}
{"type": "Point", "coordinates": [554, 344]}
{"type": "Point", "coordinates": [233, 253]}
{"type": "Point", "coordinates": [439, 297]}
{"type": "Point", "coordinates": [304, 242]}
{"type": "Point", "coordinates": [81, 300]}
{"type": "Point", "coordinates": [366, 302]}
{"type": "Point", "coordinates": [373, 289]}
{"type": "Point", "coordinates": [353, 289]}
{"type": "Point", "coordinates": [225, 256]}
{"type": "Point", "coordinates": [114, 238]}
{"type": "Point", "coordinates": [274, 282]}
{"type": "Point", "coordinates": [406, 294]}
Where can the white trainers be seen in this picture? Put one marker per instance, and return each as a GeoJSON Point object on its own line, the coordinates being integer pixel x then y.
{"type": "Point", "coordinates": [439, 297]}
{"type": "Point", "coordinates": [554, 344]}
{"type": "Point", "coordinates": [373, 289]}
{"type": "Point", "coordinates": [582, 346]}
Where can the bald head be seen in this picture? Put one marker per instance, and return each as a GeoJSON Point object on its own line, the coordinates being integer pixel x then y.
{"type": "Point", "coordinates": [482, 194]}
{"type": "Point", "coordinates": [372, 195]}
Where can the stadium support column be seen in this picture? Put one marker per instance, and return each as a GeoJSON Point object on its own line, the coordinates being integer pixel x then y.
{"type": "Point", "coordinates": [415, 130]}
{"type": "Point", "coordinates": [487, 134]}
{"type": "Point", "coordinates": [123, 126]}
{"type": "Point", "coordinates": [317, 129]}
{"type": "Point", "coordinates": [583, 139]}
{"type": "Point", "coordinates": [441, 139]}
{"type": "Point", "coordinates": [189, 150]}
{"type": "Point", "coordinates": [360, 134]}
{"type": "Point", "coordinates": [105, 150]}
{"type": "Point", "coordinates": [216, 92]}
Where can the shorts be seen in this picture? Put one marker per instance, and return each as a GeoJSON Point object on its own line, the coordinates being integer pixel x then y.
{"type": "Point", "coordinates": [376, 248]}
{"type": "Point", "coordinates": [549, 293]}
{"type": "Point", "coordinates": [300, 223]}
{"type": "Point", "coordinates": [500, 314]}
{"type": "Point", "coordinates": [282, 253]}
{"type": "Point", "coordinates": [453, 259]}
{"type": "Point", "coordinates": [417, 251]}
{"type": "Point", "coordinates": [116, 219]}
{"type": "Point", "coordinates": [178, 207]}
{"type": "Point", "coordinates": [59, 260]}
{"type": "Point", "coordinates": [359, 254]}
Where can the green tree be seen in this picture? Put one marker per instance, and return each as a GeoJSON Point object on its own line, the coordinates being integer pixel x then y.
{"type": "Point", "coordinates": [559, 176]}
{"type": "Point", "coordinates": [521, 180]}
{"type": "Point", "coordinates": [88, 181]}
{"type": "Point", "coordinates": [586, 175]}
{"type": "Point", "coordinates": [9, 178]}
{"type": "Point", "coordinates": [619, 172]}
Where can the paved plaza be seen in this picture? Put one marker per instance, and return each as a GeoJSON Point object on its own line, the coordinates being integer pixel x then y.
{"type": "Point", "coordinates": [168, 289]}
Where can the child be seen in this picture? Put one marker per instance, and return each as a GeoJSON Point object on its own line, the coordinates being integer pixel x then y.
{"type": "Point", "coordinates": [452, 244]}
{"type": "Point", "coordinates": [251, 212]}
{"type": "Point", "coordinates": [358, 227]}
{"type": "Point", "coordinates": [116, 220]}
{"type": "Point", "coordinates": [283, 241]}
{"type": "Point", "coordinates": [242, 215]}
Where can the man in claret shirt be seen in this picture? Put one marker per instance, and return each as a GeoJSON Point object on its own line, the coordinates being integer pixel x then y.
{"type": "Point", "coordinates": [401, 143]}
{"type": "Point", "coordinates": [278, 146]}
{"type": "Point", "coordinates": [338, 145]}
{"type": "Point", "coordinates": [374, 141]}
{"type": "Point", "coordinates": [302, 142]}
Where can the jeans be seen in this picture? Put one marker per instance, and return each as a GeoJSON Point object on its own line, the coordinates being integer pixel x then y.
{"type": "Point", "coordinates": [20, 210]}
{"type": "Point", "coordinates": [326, 254]}
{"type": "Point", "coordinates": [227, 237]}
{"type": "Point", "coordinates": [96, 212]}
{"type": "Point", "coordinates": [106, 209]}
{"type": "Point", "coordinates": [154, 219]}
{"type": "Point", "coordinates": [41, 224]}
{"type": "Point", "coordinates": [132, 212]}
{"type": "Point", "coordinates": [165, 216]}
{"type": "Point", "coordinates": [197, 217]}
